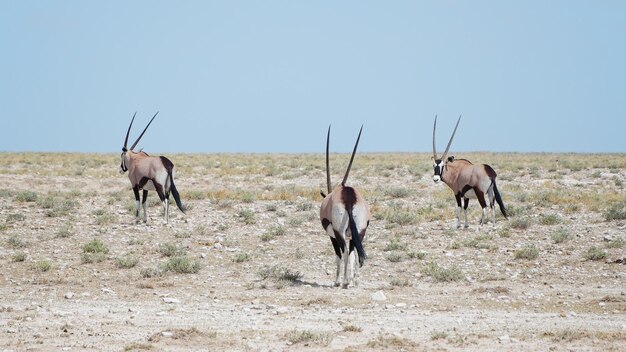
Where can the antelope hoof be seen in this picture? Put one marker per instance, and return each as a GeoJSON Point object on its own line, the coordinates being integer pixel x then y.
{"type": "Point", "coordinates": [337, 283]}
{"type": "Point", "coordinates": [466, 226]}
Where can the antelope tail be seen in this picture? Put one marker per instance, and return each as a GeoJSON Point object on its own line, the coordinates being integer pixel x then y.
{"type": "Point", "coordinates": [499, 200]}
{"type": "Point", "coordinates": [175, 194]}
{"type": "Point", "coordinates": [356, 239]}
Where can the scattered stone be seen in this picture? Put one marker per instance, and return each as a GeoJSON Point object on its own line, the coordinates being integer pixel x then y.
{"type": "Point", "coordinates": [168, 334]}
{"type": "Point", "coordinates": [68, 295]}
{"type": "Point", "coordinates": [504, 339]}
{"type": "Point", "coordinates": [401, 305]}
{"type": "Point", "coordinates": [379, 296]}
{"type": "Point", "coordinates": [203, 255]}
{"type": "Point", "coordinates": [107, 290]}
{"type": "Point", "coordinates": [170, 300]}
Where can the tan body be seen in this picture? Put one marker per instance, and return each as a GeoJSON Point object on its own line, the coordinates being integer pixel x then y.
{"type": "Point", "coordinates": [345, 216]}
{"type": "Point", "coordinates": [149, 173]}
{"type": "Point", "coordinates": [467, 181]}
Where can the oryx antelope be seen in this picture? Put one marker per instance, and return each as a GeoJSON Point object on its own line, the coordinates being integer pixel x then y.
{"type": "Point", "coordinates": [345, 216]}
{"type": "Point", "coordinates": [467, 181]}
{"type": "Point", "coordinates": [154, 173]}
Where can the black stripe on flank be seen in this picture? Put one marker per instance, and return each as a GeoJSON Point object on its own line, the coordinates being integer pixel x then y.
{"type": "Point", "coordinates": [325, 223]}
{"type": "Point", "coordinates": [143, 181]}
{"type": "Point", "coordinates": [464, 190]}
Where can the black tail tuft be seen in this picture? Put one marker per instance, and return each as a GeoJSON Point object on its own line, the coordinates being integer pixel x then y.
{"type": "Point", "coordinates": [174, 191]}
{"type": "Point", "coordinates": [356, 239]}
{"type": "Point", "coordinates": [499, 200]}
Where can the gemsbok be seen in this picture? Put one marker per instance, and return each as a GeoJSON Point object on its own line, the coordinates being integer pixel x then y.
{"type": "Point", "coordinates": [467, 181]}
{"type": "Point", "coordinates": [345, 216]}
{"type": "Point", "coordinates": [149, 173]}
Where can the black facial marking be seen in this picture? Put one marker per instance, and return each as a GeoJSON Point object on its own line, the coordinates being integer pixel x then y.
{"type": "Point", "coordinates": [437, 167]}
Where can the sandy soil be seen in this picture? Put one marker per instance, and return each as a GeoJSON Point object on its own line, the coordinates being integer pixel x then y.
{"type": "Point", "coordinates": [560, 300]}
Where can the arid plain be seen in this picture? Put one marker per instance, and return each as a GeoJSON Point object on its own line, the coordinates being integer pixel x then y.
{"type": "Point", "coordinates": [249, 267]}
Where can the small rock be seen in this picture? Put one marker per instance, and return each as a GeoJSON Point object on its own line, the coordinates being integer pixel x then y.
{"type": "Point", "coordinates": [167, 334]}
{"type": "Point", "coordinates": [608, 238]}
{"type": "Point", "coordinates": [504, 339]}
{"type": "Point", "coordinates": [170, 300]}
{"type": "Point", "coordinates": [107, 290]}
{"type": "Point", "coordinates": [203, 255]}
{"type": "Point", "coordinates": [400, 305]}
{"type": "Point", "coordinates": [218, 246]}
{"type": "Point", "coordinates": [68, 295]}
{"type": "Point", "coordinates": [379, 296]}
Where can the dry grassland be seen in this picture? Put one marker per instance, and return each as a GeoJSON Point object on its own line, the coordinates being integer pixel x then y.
{"type": "Point", "coordinates": [250, 268]}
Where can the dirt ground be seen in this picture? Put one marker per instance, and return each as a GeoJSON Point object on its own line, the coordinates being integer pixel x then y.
{"type": "Point", "coordinates": [256, 270]}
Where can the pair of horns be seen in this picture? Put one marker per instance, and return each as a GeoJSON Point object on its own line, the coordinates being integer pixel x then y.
{"type": "Point", "coordinates": [449, 143]}
{"type": "Point", "coordinates": [141, 135]}
{"type": "Point", "coordinates": [345, 177]}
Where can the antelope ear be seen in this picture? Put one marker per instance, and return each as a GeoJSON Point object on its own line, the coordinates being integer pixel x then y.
{"type": "Point", "coordinates": [451, 159]}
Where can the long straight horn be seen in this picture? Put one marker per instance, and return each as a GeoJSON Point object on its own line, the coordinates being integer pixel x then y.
{"type": "Point", "coordinates": [434, 148]}
{"type": "Point", "coordinates": [327, 162]}
{"type": "Point", "coordinates": [128, 132]}
{"type": "Point", "coordinates": [345, 178]}
{"type": "Point", "coordinates": [144, 131]}
{"type": "Point", "coordinates": [450, 142]}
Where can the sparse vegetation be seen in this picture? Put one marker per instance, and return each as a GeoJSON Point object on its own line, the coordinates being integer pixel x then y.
{"type": "Point", "coordinates": [247, 216]}
{"type": "Point", "coordinates": [307, 336]}
{"type": "Point", "coordinates": [26, 196]}
{"type": "Point", "coordinates": [94, 252]}
{"type": "Point", "coordinates": [127, 261]}
{"type": "Point", "coordinates": [242, 257]}
{"type": "Point", "coordinates": [560, 236]}
{"type": "Point", "coordinates": [42, 265]}
{"type": "Point", "coordinates": [549, 219]}
{"type": "Point", "coordinates": [528, 252]}
{"type": "Point", "coordinates": [170, 250]}
{"type": "Point", "coordinates": [183, 265]}
{"type": "Point", "coordinates": [616, 211]}
{"type": "Point", "coordinates": [441, 274]}
{"type": "Point", "coordinates": [413, 246]}
{"type": "Point", "coordinates": [520, 223]}
{"type": "Point", "coordinates": [18, 257]}
{"type": "Point", "coordinates": [16, 242]}
{"type": "Point", "coordinates": [595, 253]}
{"type": "Point", "coordinates": [279, 273]}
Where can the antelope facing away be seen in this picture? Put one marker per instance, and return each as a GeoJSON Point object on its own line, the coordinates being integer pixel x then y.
{"type": "Point", "coordinates": [345, 216]}
{"type": "Point", "coordinates": [149, 173]}
{"type": "Point", "coordinates": [467, 181]}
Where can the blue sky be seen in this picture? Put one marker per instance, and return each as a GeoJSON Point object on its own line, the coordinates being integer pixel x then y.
{"type": "Point", "coordinates": [269, 76]}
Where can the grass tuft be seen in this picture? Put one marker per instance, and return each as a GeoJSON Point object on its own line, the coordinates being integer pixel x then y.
{"type": "Point", "coordinates": [183, 265]}
{"type": "Point", "coordinates": [529, 252]}
{"type": "Point", "coordinates": [441, 274]}
{"type": "Point", "coordinates": [595, 253]}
